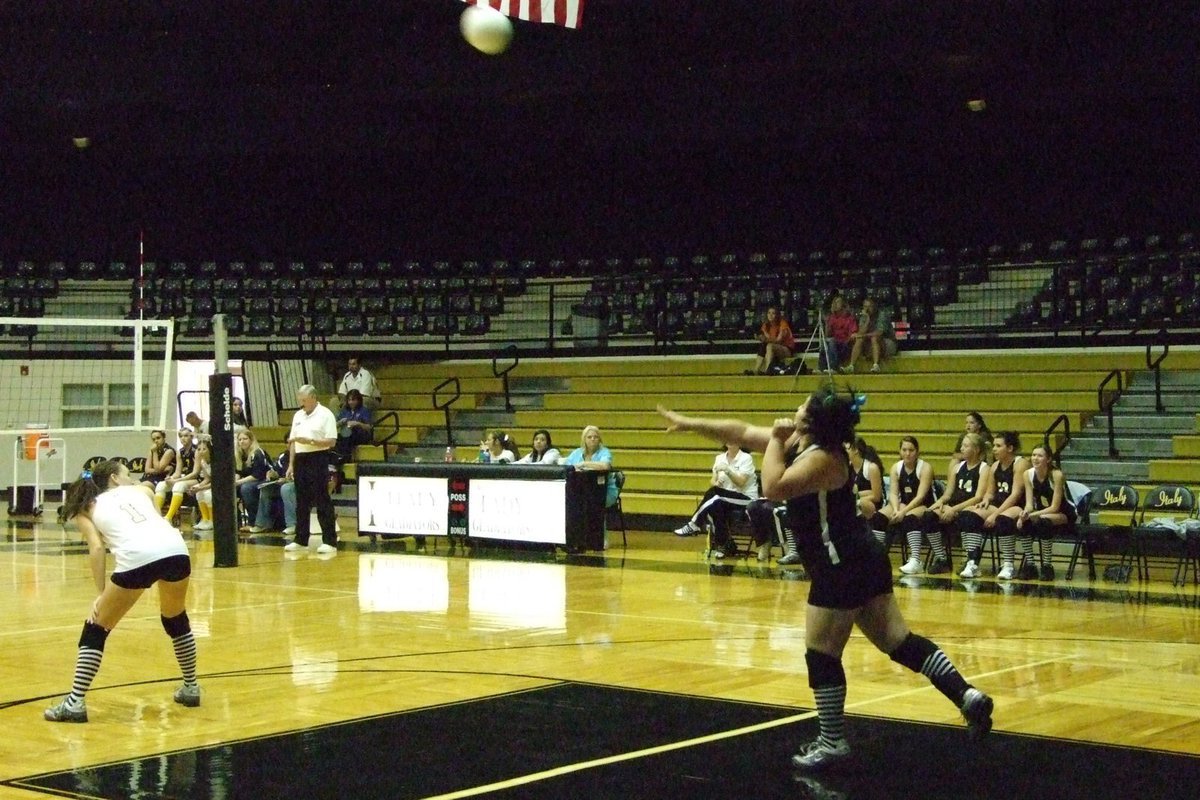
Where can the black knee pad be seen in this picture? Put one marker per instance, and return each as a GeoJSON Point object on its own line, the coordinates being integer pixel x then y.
{"type": "Point", "coordinates": [177, 625]}
{"type": "Point", "coordinates": [930, 522]}
{"type": "Point", "coordinates": [93, 636]}
{"type": "Point", "coordinates": [1006, 526]}
{"type": "Point", "coordinates": [824, 670]}
{"type": "Point", "coordinates": [1040, 528]}
{"type": "Point", "coordinates": [913, 651]}
{"type": "Point", "coordinates": [878, 522]}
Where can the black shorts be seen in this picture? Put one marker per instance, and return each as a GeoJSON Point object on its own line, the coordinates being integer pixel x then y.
{"type": "Point", "coordinates": [170, 569]}
{"type": "Point", "coordinates": [860, 577]}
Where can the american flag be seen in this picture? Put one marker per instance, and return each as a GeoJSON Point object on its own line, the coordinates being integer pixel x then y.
{"type": "Point", "coordinates": [560, 12]}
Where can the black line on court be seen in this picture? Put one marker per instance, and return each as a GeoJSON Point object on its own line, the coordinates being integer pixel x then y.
{"type": "Point", "coordinates": [477, 743]}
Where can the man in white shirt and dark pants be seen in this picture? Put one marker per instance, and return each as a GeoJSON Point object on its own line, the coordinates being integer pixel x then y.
{"type": "Point", "coordinates": [311, 441]}
{"type": "Point", "coordinates": [359, 378]}
{"type": "Point", "coordinates": [734, 486]}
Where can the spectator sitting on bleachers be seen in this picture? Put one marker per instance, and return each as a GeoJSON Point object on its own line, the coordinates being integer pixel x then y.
{"type": "Point", "coordinates": [541, 450]}
{"type": "Point", "coordinates": [276, 486]}
{"type": "Point", "coordinates": [1048, 504]}
{"type": "Point", "coordinates": [497, 448]}
{"type": "Point", "coordinates": [875, 332]}
{"type": "Point", "coordinates": [974, 424]}
{"type": "Point", "coordinates": [358, 377]}
{"type": "Point", "coordinates": [775, 343]}
{"type": "Point", "coordinates": [732, 487]}
{"type": "Point", "coordinates": [250, 466]}
{"type": "Point", "coordinates": [237, 413]}
{"type": "Point", "coordinates": [840, 327]}
{"type": "Point", "coordinates": [354, 426]}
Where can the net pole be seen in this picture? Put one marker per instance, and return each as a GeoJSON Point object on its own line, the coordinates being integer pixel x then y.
{"type": "Point", "coordinates": [220, 428]}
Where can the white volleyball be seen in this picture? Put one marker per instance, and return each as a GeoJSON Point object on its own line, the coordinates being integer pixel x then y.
{"type": "Point", "coordinates": [486, 29]}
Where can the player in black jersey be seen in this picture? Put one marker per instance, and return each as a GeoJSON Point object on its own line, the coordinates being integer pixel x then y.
{"type": "Point", "coordinates": [805, 465]}
{"type": "Point", "coordinates": [1003, 496]}
{"type": "Point", "coordinates": [1048, 504]}
{"type": "Point", "coordinates": [964, 488]}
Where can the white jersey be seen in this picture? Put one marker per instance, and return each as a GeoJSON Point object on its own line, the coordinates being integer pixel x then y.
{"type": "Point", "coordinates": [743, 464]}
{"type": "Point", "coordinates": [136, 534]}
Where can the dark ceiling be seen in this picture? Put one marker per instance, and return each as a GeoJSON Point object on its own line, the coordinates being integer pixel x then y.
{"type": "Point", "coordinates": [369, 128]}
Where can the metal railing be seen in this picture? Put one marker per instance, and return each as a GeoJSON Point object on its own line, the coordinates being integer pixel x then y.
{"type": "Point", "coordinates": [1055, 452]}
{"type": "Point", "coordinates": [1156, 366]}
{"type": "Point", "coordinates": [510, 352]}
{"type": "Point", "coordinates": [445, 405]}
{"type": "Point", "coordinates": [1105, 403]}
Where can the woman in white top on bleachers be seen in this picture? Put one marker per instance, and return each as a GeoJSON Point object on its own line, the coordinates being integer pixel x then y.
{"type": "Point", "coordinates": [542, 450]}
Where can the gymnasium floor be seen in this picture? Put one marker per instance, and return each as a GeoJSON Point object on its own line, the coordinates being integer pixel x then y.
{"type": "Point", "coordinates": [642, 672]}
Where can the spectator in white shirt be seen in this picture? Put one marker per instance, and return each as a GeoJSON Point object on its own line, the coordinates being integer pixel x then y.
{"type": "Point", "coordinates": [357, 377]}
{"type": "Point", "coordinates": [542, 451]}
{"type": "Point", "coordinates": [734, 486]}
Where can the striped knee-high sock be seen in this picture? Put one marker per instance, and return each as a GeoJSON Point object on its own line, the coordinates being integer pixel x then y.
{"type": "Point", "coordinates": [938, 545]}
{"type": "Point", "coordinates": [914, 544]}
{"type": "Point", "coordinates": [87, 664]}
{"type": "Point", "coordinates": [185, 654]}
{"type": "Point", "coordinates": [827, 678]}
{"type": "Point", "coordinates": [973, 544]}
{"type": "Point", "coordinates": [923, 656]}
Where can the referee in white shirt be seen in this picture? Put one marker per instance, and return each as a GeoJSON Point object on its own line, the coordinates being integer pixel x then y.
{"type": "Point", "coordinates": [359, 378]}
{"type": "Point", "coordinates": [314, 433]}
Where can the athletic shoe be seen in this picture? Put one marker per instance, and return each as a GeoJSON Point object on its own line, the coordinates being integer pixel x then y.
{"type": "Point", "coordinates": [255, 529]}
{"type": "Point", "coordinates": [325, 549]}
{"type": "Point", "coordinates": [789, 560]}
{"type": "Point", "coordinates": [292, 547]}
{"type": "Point", "coordinates": [290, 530]}
{"type": "Point", "coordinates": [874, 368]}
{"type": "Point", "coordinates": [203, 525]}
{"type": "Point", "coordinates": [1047, 572]}
{"type": "Point", "coordinates": [1006, 572]}
{"type": "Point", "coordinates": [188, 695]}
{"type": "Point", "coordinates": [687, 529]}
{"type": "Point", "coordinates": [977, 711]}
{"type": "Point", "coordinates": [718, 552]}
{"type": "Point", "coordinates": [61, 712]}
{"type": "Point", "coordinates": [764, 552]}
{"type": "Point", "coordinates": [911, 567]}
{"type": "Point", "coordinates": [1027, 572]}
{"type": "Point", "coordinates": [819, 754]}
{"type": "Point", "coordinates": [940, 566]}
{"type": "Point", "coordinates": [971, 570]}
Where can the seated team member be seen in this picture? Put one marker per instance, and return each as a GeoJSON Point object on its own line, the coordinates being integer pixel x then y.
{"type": "Point", "coordinates": [354, 426]}
{"type": "Point", "coordinates": [541, 450]}
{"type": "Point", "coordinates": [497, 448]}
{"type": "Point", "coordinates": [964, 488]}
{"type": "Point", "coordinates": [1002, 502]}
{"type": "Point", "coordinates": [875, 333]}
{"type": "Point", "coordinates": [160, 463]}
{"type": "Point", "coordinates": [276, 487]}
{"type": "Point", "coordinates": [868, 482]}
{"type": "Point", "coordinates": [237, 413]}
{"type": "Point", "coordinates": [775, 342]}
{"type": "Point", "coordinates": [768, 520]}
{"type": "Point", "coordinates": [593, 456]}
{"type": "Point", "coordinates": [250, 466]}
{"type": "Point", "coordinates": [114, 513]}
{"type": "Point", "coordinates": [973, 424]}
{"type": "Point", "coordinates": [358, 377]}
{"type": "Point", "coordinates": [187, 472]}
{"type": "Point", "coordinates": [1048, 505]}
{"type": "Point", "coordinates": [909, 494]}
{"type": "Point", "coordinates": [732, 488]}
{"type": "Point", "coordinates": [202, 488]}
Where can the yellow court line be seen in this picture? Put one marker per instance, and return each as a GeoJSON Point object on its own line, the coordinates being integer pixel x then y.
{"type": "Point", "coordinates": [523, 780]}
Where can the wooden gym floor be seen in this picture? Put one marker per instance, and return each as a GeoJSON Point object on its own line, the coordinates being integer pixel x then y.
{"type": "Point", "coordinates": [642, 672]}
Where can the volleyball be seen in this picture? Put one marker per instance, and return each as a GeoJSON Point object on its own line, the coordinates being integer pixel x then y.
{"type": "Point", "coordinates": [486, 29]}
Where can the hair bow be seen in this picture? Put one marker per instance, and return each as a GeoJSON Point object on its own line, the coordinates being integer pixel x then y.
{"type": "Point", "coordinates": [858, 402]}
{"type": "Point", "coordinates": [86, 475]}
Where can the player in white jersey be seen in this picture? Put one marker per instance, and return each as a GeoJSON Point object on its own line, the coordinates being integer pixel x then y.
{"type": "Point", "coordinates": [112, 511]}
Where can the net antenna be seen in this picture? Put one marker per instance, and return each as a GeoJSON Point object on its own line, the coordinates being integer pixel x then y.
{"type": "Point", "coordinates": [80, 375]}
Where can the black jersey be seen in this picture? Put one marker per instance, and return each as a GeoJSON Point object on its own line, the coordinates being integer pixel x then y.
{"type": "Point", "coordinates": [910, 485]}
{"type": "Point", "coordinates": [826, 524]}
{"type": "Point", "coordinates": [1043, 491]}
{"type": "Point", "coordinates": [1004, 482]}
{"type": "Point", "coordinates": [861, 482]}
{"type": "Point", "coordinates": [966, 483]}
{"type": "Point", "coordinates": [187, 459]}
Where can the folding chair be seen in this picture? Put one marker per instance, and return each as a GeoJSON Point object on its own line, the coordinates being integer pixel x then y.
{"type": "Point", "coordinates": [1174, 503]}
{"type": "Point", "coordinates": [616, 509]}
{"type": "Point", "coordinates": [1119, 497]}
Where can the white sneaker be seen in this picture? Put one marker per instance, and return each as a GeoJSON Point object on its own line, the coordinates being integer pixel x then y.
{"type": "Point", "coordinates": [203, 525]}
{"type": "Point", "coordinates": [292, 547]}
{"type": "Point", "coordinates": [874, 368]}
{"type": "Point", "coordinates": [1006, 572]}
{"type": "Point", "coordinates": [290, 530]}
{"type": "Point", "coordinates": [325, 549]}
{"type": "Point", "coordinates": [819, 754]}
{"type": "Point", "coordinates": [911, 567]}
{"type": "Point", "coordinates": [971, 570]}
{"type": "Point", "coordinates": [687, 529]}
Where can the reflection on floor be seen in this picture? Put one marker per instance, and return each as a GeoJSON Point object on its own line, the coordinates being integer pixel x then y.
{"type": "Point", "coordinates": [576, 740]}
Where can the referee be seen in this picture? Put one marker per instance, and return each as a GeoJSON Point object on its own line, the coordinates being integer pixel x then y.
{"type": "Point", "coordinates": [314, 433]}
